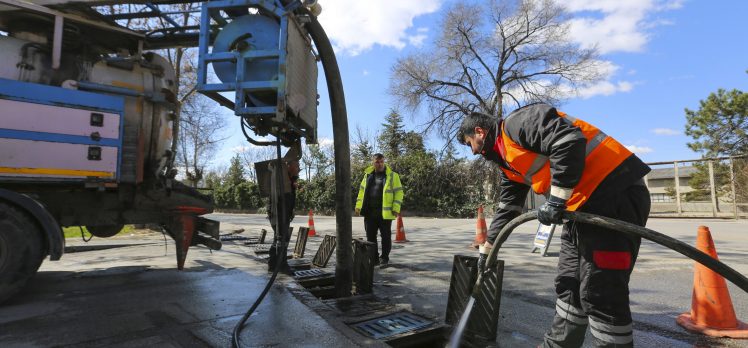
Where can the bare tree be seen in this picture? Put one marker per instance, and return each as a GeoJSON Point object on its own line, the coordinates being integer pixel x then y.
{"type": "Point", "coordinates": [251, 154]}
{"type": "Point", "coordinates": [317, 159]}
{"type": "Point", "coordinates": [199, 136]}
{"type": "Point", "coordinates": [198, 122]}
{"type": "Point", "coordinates": [492, 54]}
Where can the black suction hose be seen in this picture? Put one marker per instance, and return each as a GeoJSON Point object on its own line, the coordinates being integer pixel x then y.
{"type": "Point", "coordinates": [344, 264]}
{"type": "Point", "coordinates": [343, 270]}
{"type": "Point", "coordinates": [715, 265]}
{"type": "Point", "coordinates": [280, 245]}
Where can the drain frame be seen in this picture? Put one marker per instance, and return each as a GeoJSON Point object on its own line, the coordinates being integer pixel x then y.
{"type": "Point", "coordinates": [391, 325]}
{"type": "Point", "coordinates": [257, 240]}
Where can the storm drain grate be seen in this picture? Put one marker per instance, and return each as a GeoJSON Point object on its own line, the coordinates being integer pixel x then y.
{"type": "Point", "coordinates": [262, 248]}
{"type": "Point", "coordinates": [309, 273]}
{"type": "Point", "coordinates": [324, 252]}
{"type": "Point", "coordinates": [257, 240]}
{"type": "Point", "coordinates": [301, 237]}
{"type": "Point", "coordinates": [233, 238]}
{"type": "Point", "coordinates": [391, 325]}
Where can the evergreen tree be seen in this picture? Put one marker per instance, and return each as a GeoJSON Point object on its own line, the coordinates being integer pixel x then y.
{"type": "Point", "coordinates": [720, 125]}
{"type": "Point", "coordinates": [235, 174]}
{"type": "Point", "coordinates": [392, 136]}
{"type": "Point", "coordinates": [719, 128]}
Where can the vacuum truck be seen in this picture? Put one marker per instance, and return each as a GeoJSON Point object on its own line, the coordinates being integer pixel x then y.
{"type": "Point", "coordinates": [87, 138]}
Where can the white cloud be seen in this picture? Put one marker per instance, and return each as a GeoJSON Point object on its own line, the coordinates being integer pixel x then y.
{"type": "Point", "coordinates": [639, 149]}
{"type": "Point", "coordinates": [604, 88]}
{"type": "Point", "coordinates": [325, 141]}
{"type": "Point", "coordinates": [241, 148]}
{"type": "Point", "coordinates": [356, 26]}
{"type": "Point", "coordinates": [614, 25]}
{"type": "Point", "coordinates": [417, 40]}
{"type": "Point", "coordinates": [665, 131]}
{"type": "Point", "coordinates": [365, 72]}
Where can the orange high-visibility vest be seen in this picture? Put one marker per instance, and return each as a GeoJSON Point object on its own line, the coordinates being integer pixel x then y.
{"type": "Point", "coordinates": [603, 155]}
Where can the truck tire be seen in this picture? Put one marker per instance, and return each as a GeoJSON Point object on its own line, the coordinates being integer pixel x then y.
{"type": "Point", "coordinates": [104, 231]}
{"type": "Point", "coordinates": [21, 250]}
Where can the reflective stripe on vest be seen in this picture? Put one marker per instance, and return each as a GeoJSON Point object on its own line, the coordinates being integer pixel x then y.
{"type": "Point", "coordinates": [602, 155]}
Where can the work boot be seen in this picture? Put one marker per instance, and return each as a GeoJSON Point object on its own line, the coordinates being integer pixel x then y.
{"type": "Point", "coordinates": [383, 262]}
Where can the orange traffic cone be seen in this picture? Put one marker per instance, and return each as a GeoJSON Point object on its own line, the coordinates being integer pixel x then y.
{"type": "Point", "coordinates": [480, 229]}
{"type": "Point", "coordinates": [312, 231]}
{"type": "Point", "coordinates": [400, 236]}
{"type": "Point", "coordinates": [712, 313]}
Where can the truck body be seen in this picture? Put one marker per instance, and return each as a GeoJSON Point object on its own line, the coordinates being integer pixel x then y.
{"type": "Point", "coordinates": [87, 138]}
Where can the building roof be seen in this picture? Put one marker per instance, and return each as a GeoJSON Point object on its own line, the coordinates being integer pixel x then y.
{"type": "Point", "coordinates": [669, 173]}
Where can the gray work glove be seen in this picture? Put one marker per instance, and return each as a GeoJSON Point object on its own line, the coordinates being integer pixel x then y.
{"type": "Point", "coordinates": [552, 211]}
{"type": "Point", "coordinates": [483, 258]}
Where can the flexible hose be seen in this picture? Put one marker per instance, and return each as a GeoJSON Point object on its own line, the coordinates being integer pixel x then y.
{"type": "Point", "coordinates": [341, 143]}
{"type": "Point", "coordinates": [343, 270]}
{"type": "Point", "coordinates": [605, 222]}
{"type": "Point", "coordinates": [281, 227]}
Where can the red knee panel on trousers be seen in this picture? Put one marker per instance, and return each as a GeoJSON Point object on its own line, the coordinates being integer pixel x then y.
{"type": "Point", "coordinates": [618, 260]}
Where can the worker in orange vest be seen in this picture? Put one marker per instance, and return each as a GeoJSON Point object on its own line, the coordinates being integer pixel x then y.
{"type": "Point", "coordinates": [578, 168]}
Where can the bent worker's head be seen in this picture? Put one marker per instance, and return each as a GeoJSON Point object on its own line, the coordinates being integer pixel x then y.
{"type": "Point", "coordinates": [377, 160]}
{"type": "Point", "coordinates": [474, 129]}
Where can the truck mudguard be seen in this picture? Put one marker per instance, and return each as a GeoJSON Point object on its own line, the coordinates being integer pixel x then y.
{"type": "Point", "coordinates": [52, 234]}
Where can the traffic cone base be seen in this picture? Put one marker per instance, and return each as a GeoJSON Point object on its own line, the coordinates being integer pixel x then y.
{"type": "Point", "coordinates": [711, 312]}
{"type": "Point", "coordinates": [686, 320]}
{"type": "Point", "coordinates": [400, 235]}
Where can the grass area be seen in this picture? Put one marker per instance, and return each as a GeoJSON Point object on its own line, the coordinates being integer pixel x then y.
{"type": "Point", "coordinates": [75, 232]}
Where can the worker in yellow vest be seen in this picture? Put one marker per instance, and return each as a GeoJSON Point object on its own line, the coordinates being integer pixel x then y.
{"type": "Point", "coordinates": [380, 197]}
{"type": "Point", "coordinates": [576, 167]}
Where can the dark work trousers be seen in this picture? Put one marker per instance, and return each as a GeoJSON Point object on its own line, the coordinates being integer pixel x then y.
{"type": "Point", "coordinates": [594, 267]}
{"type": "Point", "coordinates": [384, 226]}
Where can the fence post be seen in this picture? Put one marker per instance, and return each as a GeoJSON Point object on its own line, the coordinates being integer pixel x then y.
{"type": "Point", "coordinates": [732, 187]}
{"type": "Point", "coordinates": [677, 189]}
{"type": "Point", "coordinates": [712, 189]}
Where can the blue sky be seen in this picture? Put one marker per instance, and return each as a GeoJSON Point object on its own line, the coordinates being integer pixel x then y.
{"type": "Point", "coordinates": [663, 56]}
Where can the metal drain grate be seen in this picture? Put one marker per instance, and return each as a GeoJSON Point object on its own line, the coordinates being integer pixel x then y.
{"type": "Point", "coordinates": [301, 238]}
{"type": "Point", "coordinates": [262, 248]}
{"type": "Point", "coordinates": [309, 273]}
{"type": "Point", "coordinates": [391, 325]}
{"type": "Point", "coordinates": [325, 251]}
{"type": "Point", "coordinates": [257, 240]}
{"type": "Point", "coordinates": [233, 238]}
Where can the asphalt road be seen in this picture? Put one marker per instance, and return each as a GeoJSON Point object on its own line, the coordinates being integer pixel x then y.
{"type": "Point", "coordinates": [131, 295]}
{"type": "Point", "coordinates": [660, 288]}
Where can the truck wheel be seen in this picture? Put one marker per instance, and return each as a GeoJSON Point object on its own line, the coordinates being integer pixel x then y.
{"type": "Point", "coordinates": [104, 231]}
{"type": "Point", "coordinates": [21, 251]}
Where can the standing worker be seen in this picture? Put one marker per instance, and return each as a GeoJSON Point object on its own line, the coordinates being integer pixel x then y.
{"type": "Point", "coordinates": [379, 199]}
{"type": "Point", "coordinates": [578, 168]}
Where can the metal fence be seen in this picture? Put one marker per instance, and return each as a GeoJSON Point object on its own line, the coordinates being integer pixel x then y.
{"type": "Point", "coordinates": [716, 187]}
